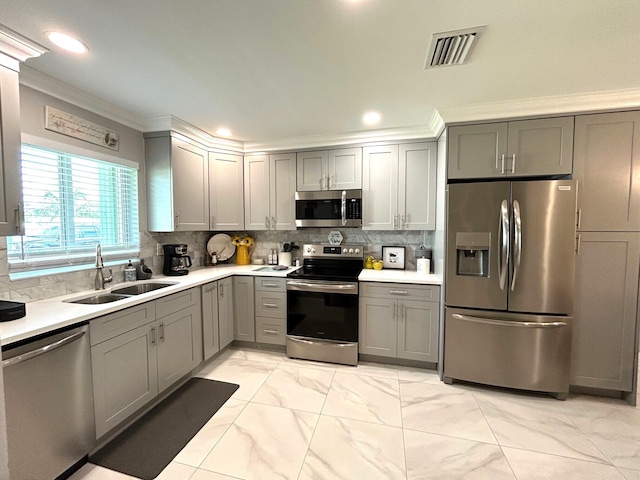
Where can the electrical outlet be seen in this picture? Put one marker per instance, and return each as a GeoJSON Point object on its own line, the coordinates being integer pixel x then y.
{"type": "Point", "coordinates": [159, 249]}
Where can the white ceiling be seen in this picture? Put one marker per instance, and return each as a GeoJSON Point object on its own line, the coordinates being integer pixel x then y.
{"type": "Point", "coordinates": [272, 70]}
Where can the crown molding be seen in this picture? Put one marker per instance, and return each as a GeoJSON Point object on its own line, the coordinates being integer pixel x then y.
{"type": "Point", "coordinates": [436, 123]}
{"type": "Point", "coordinates": [322, 141]}
{"type": "Point", "coordinates": [551, 105]}
{"type": "Point", "coordinates": [18, 48]}
{"type": "Point", "coordinates": [63, 91]}
{"type": "Point", "coordinates": [175, 124]}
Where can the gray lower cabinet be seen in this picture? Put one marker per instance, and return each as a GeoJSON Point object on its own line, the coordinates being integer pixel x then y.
{"type": "Point", "coordinates": [244, 327]}
{"type": "Point", "coordinates": [399, 320]}
{"type": "Point", "coordinates": [605, 310]}
{"type": "Point", "coordinates": [139, 352]}
{"type": "Point", "coordinates": [225, 311]}
{"type": "Point", "coordinates": [271, 310]}
{"type": "Point", "coordinates": [210, 320]}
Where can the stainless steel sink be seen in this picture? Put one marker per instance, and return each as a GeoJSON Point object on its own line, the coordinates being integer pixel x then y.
{"type": "Point", "coordinates": [140, 288]}
{"type": "Point", "coordinates": [99, 299]}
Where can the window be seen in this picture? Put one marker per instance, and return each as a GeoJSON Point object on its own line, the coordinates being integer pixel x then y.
{"type": "Point", "coordinates": [70, 204]}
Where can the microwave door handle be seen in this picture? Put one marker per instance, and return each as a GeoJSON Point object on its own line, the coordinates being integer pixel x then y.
{"type": "Point", "coordinates": [503, 236]}
{"type": "Point", "coordinates": [344, 208]}
{"type": "Point", "coordinates": [517, 242]}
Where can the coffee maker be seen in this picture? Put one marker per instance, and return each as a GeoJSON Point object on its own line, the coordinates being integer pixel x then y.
{"type": "Point", "coordinates": [176, 260]}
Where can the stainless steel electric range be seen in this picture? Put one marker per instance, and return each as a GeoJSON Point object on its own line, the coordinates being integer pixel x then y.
{"type": "Point", "coordinates": [322, 304]}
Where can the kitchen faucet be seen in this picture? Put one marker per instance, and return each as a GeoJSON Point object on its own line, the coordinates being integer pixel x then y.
{"type": "Point", "coordinates": [100, 278]}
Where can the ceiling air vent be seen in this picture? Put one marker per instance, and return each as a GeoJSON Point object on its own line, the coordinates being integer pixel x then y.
{"type": "Point", "coordinates": [452, 48]}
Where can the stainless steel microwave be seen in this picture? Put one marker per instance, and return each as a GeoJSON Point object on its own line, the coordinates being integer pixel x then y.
{"type": "Point", "coordinates": [329, 208]}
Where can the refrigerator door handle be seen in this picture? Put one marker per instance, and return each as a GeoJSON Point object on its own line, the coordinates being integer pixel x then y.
{"type": "Point", "coordinates": [508, 323]}
{"type": "Point", "coordinates": [517, 242]}
{"type": "Point", "coordinates": [503, 235]}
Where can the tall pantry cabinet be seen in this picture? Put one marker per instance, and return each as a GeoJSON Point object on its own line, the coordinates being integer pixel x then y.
{"type": "Point", "coordinates": [607, 167]}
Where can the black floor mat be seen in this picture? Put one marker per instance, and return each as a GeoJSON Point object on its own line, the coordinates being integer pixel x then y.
{"type": "Point", "coordinates": [145, 448]}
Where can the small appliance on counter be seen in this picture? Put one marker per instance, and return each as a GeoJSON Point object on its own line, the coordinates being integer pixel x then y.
{"type": "Point", "coordinates": [176, 260]}
{"type": "Point", "coordinates": [423, 260]}
{"type": "Point", "coordinates": [142, 271]}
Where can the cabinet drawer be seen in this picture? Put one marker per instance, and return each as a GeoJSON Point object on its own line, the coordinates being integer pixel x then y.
{"type": "Point", "coordinates": [114, 324]}
{"type": "Point", "coordinates": [270, 330]}
{"type": "Point", "coordinates": [271, 304]}
{"type": "Point", "coordinates": [271, 284]}
{"type": "Point", "coordinates": [425, 293]}
{"type": "Point", "coordinates": [177, 301]}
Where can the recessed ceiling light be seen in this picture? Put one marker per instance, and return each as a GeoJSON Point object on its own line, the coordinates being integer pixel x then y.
{"type": "Point", "coordinates": [371, 118]}
{"type": "Point", "coordinates": [223, 132]}
{"type": "Point", "coordinates": [67, 43]}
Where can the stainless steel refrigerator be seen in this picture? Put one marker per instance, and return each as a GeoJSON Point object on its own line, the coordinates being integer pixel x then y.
{"type": "Point", "coordinates": [509, 283]}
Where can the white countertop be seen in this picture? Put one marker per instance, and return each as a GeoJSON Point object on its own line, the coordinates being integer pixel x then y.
{"type": "Point", "coordinates": [399, 276]}
{"type": "Point", "coordinates": [47, 315]}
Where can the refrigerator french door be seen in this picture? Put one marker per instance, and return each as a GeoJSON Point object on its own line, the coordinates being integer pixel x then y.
{"type": "Point", "coordinates": [509, 283]}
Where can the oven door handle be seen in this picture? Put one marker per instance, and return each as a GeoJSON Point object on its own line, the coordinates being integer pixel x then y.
{"type": "Point", "coordinates": [343, 288]}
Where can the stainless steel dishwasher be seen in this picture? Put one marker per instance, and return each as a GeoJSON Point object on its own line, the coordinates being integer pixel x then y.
{"type": "Point", "coordinates": [49, 404]}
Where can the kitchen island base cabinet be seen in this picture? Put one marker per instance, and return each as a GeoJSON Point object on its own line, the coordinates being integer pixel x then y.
{"type": "Point", "coordinates": [399, 321]}
{"type": "Point", "coordinates": [139, 352]}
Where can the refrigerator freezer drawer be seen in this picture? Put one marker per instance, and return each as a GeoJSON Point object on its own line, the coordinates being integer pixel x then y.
{"type": "Point", "coordinates": [529, 352]}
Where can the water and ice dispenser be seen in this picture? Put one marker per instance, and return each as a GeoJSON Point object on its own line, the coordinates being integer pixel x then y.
{"type": "Point", "coordinates": [472, 253]}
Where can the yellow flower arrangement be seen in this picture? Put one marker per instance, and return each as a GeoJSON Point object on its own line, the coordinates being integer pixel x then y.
{"type": "Point", "coordinates": [245, 240]}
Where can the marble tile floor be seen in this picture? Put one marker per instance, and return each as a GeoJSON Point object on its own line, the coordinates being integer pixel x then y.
{"type": "Point", "coordinates": [293, 419]}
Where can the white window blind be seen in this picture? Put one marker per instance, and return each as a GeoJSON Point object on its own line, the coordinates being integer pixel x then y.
{"type": "Point", "coordinates": [70, 204]}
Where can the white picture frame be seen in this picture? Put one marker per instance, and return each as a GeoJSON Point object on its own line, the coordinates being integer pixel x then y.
{"type": "Point", "coordinates": [393, 257]}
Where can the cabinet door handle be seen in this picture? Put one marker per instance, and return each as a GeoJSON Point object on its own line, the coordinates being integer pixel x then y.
{"type": "Point", "coordinates": [404, 221]}
{"type": "Point", "coordinates": [153, 336]}
{"type": "Point", "coordinates": [578, 241]}
{"type": "Point", "coordinates": [579, 221]}
{"type": "Point", "coordinates": [273, 223]}
{"type": "Point", "coordinates": [266, 221]}
{"type": "Point", "coordinates": [502, 168]}
{"type": "Point", "coordinates": [322, 182]}
{"type": "Point", "coordinates": [221, 291]}
{"type": "Point", "coordinates": [330, 182]}
{"type": "Point", "coordinates": [397, 292]}
{"type": "Point", "coordinates": [19, 219]}
{"type": "Point", "coordinates": [395, 219]}
{"type": "Point", "coordinates": [211, 288]}
{"type": "Point", "coordinates": [161, 332]}
{"type": "Point", "coordinates": [270, 332]}
{"type": "Point", "coordinates": [513, 165]}
{"type": "Point", "coordinates": [270, 305]}
{"type": "Point", "coordinates": [177, 220]}
{"type": "Point", "coordinates": [270, 285]}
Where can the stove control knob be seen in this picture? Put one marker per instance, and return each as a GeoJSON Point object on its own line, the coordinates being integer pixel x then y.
{"type": "Point", "coordinates": [313, 250]}
{"type": "Point", "coordinates": [344, 250]}
{"type": "Point", "coordinates": [351, 250]}
{"type": "Point", "coordinates": [308, 249]}
{"type": "Point", "coordinates": [357, 250]}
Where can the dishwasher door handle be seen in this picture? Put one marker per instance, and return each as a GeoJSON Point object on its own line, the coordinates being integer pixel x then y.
{"type": "Point", "coordinates": [42, 350]}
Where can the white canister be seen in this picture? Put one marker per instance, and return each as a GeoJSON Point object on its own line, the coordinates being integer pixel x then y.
{"type": "Point", "coordinates": [284, 258]}
{"type": "Point", "coordinates": [424, 265]}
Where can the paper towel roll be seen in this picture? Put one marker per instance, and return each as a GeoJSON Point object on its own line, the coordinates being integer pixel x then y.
{"type": "Point", "coordinates": [284, 258]}
{"type": "Point", "coordinates": [424, 265]}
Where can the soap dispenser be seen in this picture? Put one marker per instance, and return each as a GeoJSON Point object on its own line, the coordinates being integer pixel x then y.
{"type": "Point", "coordinates": [130, 273]}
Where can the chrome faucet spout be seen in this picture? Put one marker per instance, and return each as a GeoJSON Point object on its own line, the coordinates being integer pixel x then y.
{"type": "Point", "coordinates": [100, 278]}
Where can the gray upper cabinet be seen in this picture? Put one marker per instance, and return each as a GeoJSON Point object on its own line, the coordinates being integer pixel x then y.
{"type": "Point", "coordinates": [269, 190]}
{"type": "Point", "coordinates": [399, 187]}
{"type": "Point", "coordinates": [177, 185]}
{"type": "Point", "coordinates": [10, 178]}
{"type": "Point", "coordinates": [605, 310]}
{"type": "Point", "coordinates": [607, 167]}
{"type": "Point", "coordinates": [226, 194]}
{"type": "Point", "coordinates": [339, 169]}
{"type": "Point", "coordinates": [519, 148]}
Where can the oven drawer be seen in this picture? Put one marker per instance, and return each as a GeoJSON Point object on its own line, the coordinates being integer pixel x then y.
{"type": "Point", "coordinates": [271, 304]}
{"type": "Point", "coordinates": [270, 330]}
{"type": "Point", "coordinates": [271, 284]}
{"type": "Point", "coordinates": [424, 293]}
